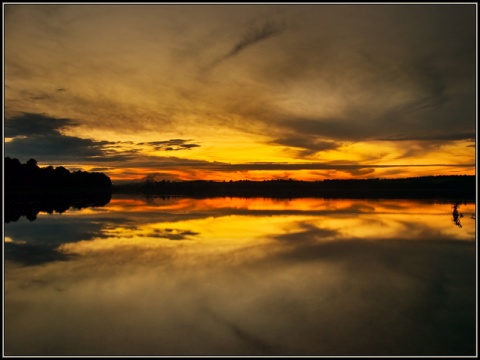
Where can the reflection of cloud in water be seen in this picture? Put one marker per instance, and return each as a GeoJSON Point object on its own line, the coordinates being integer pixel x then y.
{"type": "Point", "coordinates": [350, 297]}
{"type": "Point", "coordinates": [31, 254]}
{"type": "Point", "coordinates": [172, 234]}
{"type": "Point", "coordinates": [297, 284]}
{"type": "Point", "coordinates": [37, 242]}
{"type": "Point", "coordinates": [374, 217]}
{"type": "Point", "coordinates": [314, 219]}
{"type": "Point", "coordinates": [55, 230]}
{"type": "Point", "coordinates": [308, 232]}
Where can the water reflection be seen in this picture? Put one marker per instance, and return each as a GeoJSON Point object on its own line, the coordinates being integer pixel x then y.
{"type": "Point", "coordinates": [30, 206]}
{"type": "Point", "coordinates": [231, 276]}
{"type": "Point", "coordinates": [456, 215]}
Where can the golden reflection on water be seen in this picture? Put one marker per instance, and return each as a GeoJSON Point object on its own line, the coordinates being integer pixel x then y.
{"type": "Point", "coordinates": [233, 222]}
{"type": "Point", "coordinates": [233, 276]}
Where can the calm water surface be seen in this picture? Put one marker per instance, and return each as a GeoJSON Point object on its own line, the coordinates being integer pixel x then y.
{"type": "Point", "coordinates": [232, 276]}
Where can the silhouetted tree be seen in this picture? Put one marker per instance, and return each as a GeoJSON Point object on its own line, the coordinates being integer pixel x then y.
{"type": "Point", "coordinates": [32, 163]}
{"type": "Point", "coordinates": [29, 178]}
{"type": "Point", "coordinates": [30, 189]}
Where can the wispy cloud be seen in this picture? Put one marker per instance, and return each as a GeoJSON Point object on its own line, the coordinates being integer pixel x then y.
{"type": "Point", "coordinates": [309, 144]}
{"type": "Point", "coordinates": [296, 81]}
{"type": "Point", "coordinates": [170, 145]}
{"type": "Point", "coordinates": [253, 36]}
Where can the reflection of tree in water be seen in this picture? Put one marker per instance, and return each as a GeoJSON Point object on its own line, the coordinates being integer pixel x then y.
{"type": "Point", "coordinates": [30, 205]}
{"type": "Point", "coordinates": [456, 215]}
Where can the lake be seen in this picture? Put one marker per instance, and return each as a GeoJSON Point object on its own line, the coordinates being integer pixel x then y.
{"type": "Point", "coordinates": [243, 276]}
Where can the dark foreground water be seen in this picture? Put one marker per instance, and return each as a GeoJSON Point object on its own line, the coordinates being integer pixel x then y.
{"type": "Point", "coordinates": [232, 276]}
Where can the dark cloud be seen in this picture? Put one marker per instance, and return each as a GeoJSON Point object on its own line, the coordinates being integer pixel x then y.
{"type": "Point", "coordinates": [256, 34]}
{"type": "Point", "coordinates": [154, 163]}
{"type": "Point", "coordinates": [40, 136]}
{"type": "Point", "coordinates": [315, 166]}
{"type": "Point", "coordinates": [53, 146]}
{"type": "Point", "coordinates": [159, 176]}
{"type": "Point", "coordinates": [27, 97]}
{"type": "Point", "coordinates": [100, 169]}
{"type": "Point", "coordinates": [361, 172]}
{"type": "Point", "coordinates": [263, 32]}
{"type": "Point", "coordinates": [174, 163]}
{"type": "Point", "coordinates": [394, 124]}
{"type": "Point", "coordinates": [172, 234]}
{"type": "Point", "coordinates": [40, 97]}
{"type": "Point", "coordinates": [35, 124]}
{"type": "Point", "coordinates": [441, 137]}
{"type": "Point", "coordinates": [394, 72]}
{"type": "Point", "coordinates": [170, 145]}
{"type": "Point", "coordinates": [189, 146]}
{"type": "Point", "coordinates": [310, 144]}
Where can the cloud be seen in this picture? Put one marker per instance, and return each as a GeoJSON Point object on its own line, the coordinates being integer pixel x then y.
{"type": "Point", "coordinates": [170, 145]}
{"type": "Point", "coordinates": [309, 143]}
{"type": "Point", "coordinates": [361, 171]}
{"type": "Point", "coordinates": [39, 136]}
{"type": "Point", "coordinates": [40, 97]}
{"type": "Point", "coordinates": [54, 146]}
{"type": "Point", "coordinates": [100, 169]}
{"type": "Point", "coordinates": [371, 75]}
{"type": "Point", "coordinates": [263, 32]}
{"type": "Point", "coordinates": [392, 125]}
{"type": "Point", "coordinates": [189, 167]}
{"type": "Point", "coordinates": [255, 35]}
{"type": "Point", "coordinates": [35, 124]}
{"type": "Point", "coordinates": [172, 234]}
{"type": "Point", "coordinates": [316, 76]}
{"type": "Point", "coordinates": [159, 176]}
{"type": "Point", "coordinates": [441, 137]}
{"type": "Point", "coordinates": [313, 166]}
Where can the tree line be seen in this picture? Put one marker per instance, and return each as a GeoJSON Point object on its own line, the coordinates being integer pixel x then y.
{"type": "Point", "coordinates": [29, 178]}
{"type": "Point", "coordinates": [441, 187]}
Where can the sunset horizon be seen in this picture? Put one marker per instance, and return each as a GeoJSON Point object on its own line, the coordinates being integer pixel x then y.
{"type": "Point", "coordinates": [240, 180]}
{"type": "Point", "coordinates": [241, 91]}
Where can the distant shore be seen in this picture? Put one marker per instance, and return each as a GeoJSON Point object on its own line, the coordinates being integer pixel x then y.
{"type": "Point", "coordinates": [456, 188]}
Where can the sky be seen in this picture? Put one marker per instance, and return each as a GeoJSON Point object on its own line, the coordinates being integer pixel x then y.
{"type": "Point", "coordinates": [242, 91]}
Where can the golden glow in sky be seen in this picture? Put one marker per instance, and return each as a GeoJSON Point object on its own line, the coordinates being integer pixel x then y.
{"type": "Point", "coordinates": [222, 92]}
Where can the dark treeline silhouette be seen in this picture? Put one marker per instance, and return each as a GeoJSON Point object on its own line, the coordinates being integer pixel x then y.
{"type": "Point", "coordinates": [456, 188]}
{"type": "Point", "coordinates": [30, 178]}
{"type": "Point", "coordinates": [30, 189]}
